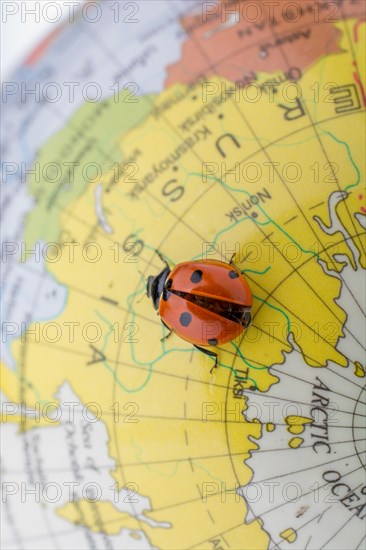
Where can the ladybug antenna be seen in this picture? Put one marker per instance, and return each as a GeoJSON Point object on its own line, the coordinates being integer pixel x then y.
{"type": "Point", "coordinates": [143, 296]}
{"type": "Point", "coordinates": [162, 258]}
{"type": "Point", "coordinates": [142, 275]}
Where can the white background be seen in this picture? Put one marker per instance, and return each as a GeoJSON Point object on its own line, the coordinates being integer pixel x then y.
{"type": "Point", "coordinates": [20, 32]}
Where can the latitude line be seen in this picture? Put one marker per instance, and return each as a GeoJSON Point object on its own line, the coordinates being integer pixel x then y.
{"type": "Point", "coordinates": [338, 530]}
{"type": "Point", "coordinates": [185, 459]}
{"type": "Point", "coordinates": [344, 378]}
{"type": "Point", "coordinates": [311, 384]}
{"type": "Point", "coordinates": [241, 420]}
{"type": "Point", "coordinates": [195, 380]}
{"type": "Point", "coordinates": [231, 490]}
{"type": "Point", "coordinates": [308, 468]}
{"type": "Point", "coordinates": [353, 428]}
{"type": "Point", "coordinates": [83, 292]}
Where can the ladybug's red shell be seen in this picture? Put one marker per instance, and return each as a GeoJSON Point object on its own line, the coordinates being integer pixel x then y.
{"type": "Point", "coordinates": [211, 279]}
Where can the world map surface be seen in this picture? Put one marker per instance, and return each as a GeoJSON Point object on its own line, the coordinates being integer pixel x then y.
{"type": "Point", "coordinates": [200, 130]}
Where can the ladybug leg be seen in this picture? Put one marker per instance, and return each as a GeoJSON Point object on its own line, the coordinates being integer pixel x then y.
{"type": "Point", "coordinates": [247, 319]}
{"type": "Point", "coordinates": [232, 263]}
{"type": "Point", "coordinates": [166, 336]}
{"type": "Point", "coordinates": [210, 353]}
{"type": "Point", "coordinates": [231, 259]}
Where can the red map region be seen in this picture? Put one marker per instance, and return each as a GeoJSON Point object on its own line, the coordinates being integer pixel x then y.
{"type": "Point", "coordinates": [237, 39]}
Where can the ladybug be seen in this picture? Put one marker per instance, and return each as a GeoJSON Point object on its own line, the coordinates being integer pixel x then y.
{"type": "Point", "coordinates": [206, 302]}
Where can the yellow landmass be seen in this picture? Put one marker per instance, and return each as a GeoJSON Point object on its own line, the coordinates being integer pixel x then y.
{"type": "Point", "coordinates": [359, 370]}
{"type": "Point", "coordinates": [295, 429]}
{"type": "Point", "coordinates": [289, 534]}
{"type": "Point", "coordinates": [294, 420]}
{"type": "Point", "coordinates": [103, 516]}
{"type": "Point", "coordinates": [296, 425]}
{"type": "Point", "coordinates": [295, 442]}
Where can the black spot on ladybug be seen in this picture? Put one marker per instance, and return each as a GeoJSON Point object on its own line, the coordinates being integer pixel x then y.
{"type": "Point", "coordinates": [233, 274]}
{"type": "Point", "coordinates": [169, 283]}
{"type": "Point", "coordinates": [196, 276]}
{"type": "Point", "coordinates": [185, 319]}
{"type": "Point", "coordinates": [212, 341]}
{"type": "Point", "coordinates": [166, 295]}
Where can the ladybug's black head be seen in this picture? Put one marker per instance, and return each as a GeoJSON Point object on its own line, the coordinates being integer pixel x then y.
{"type": "Point", "coordinates": [155, 286]}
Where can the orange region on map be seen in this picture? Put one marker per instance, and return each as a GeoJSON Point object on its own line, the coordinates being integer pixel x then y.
{"type": "Point", "coordinates": [229, 44]}
{"type": "Point", "coordinates": [42, 47]}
